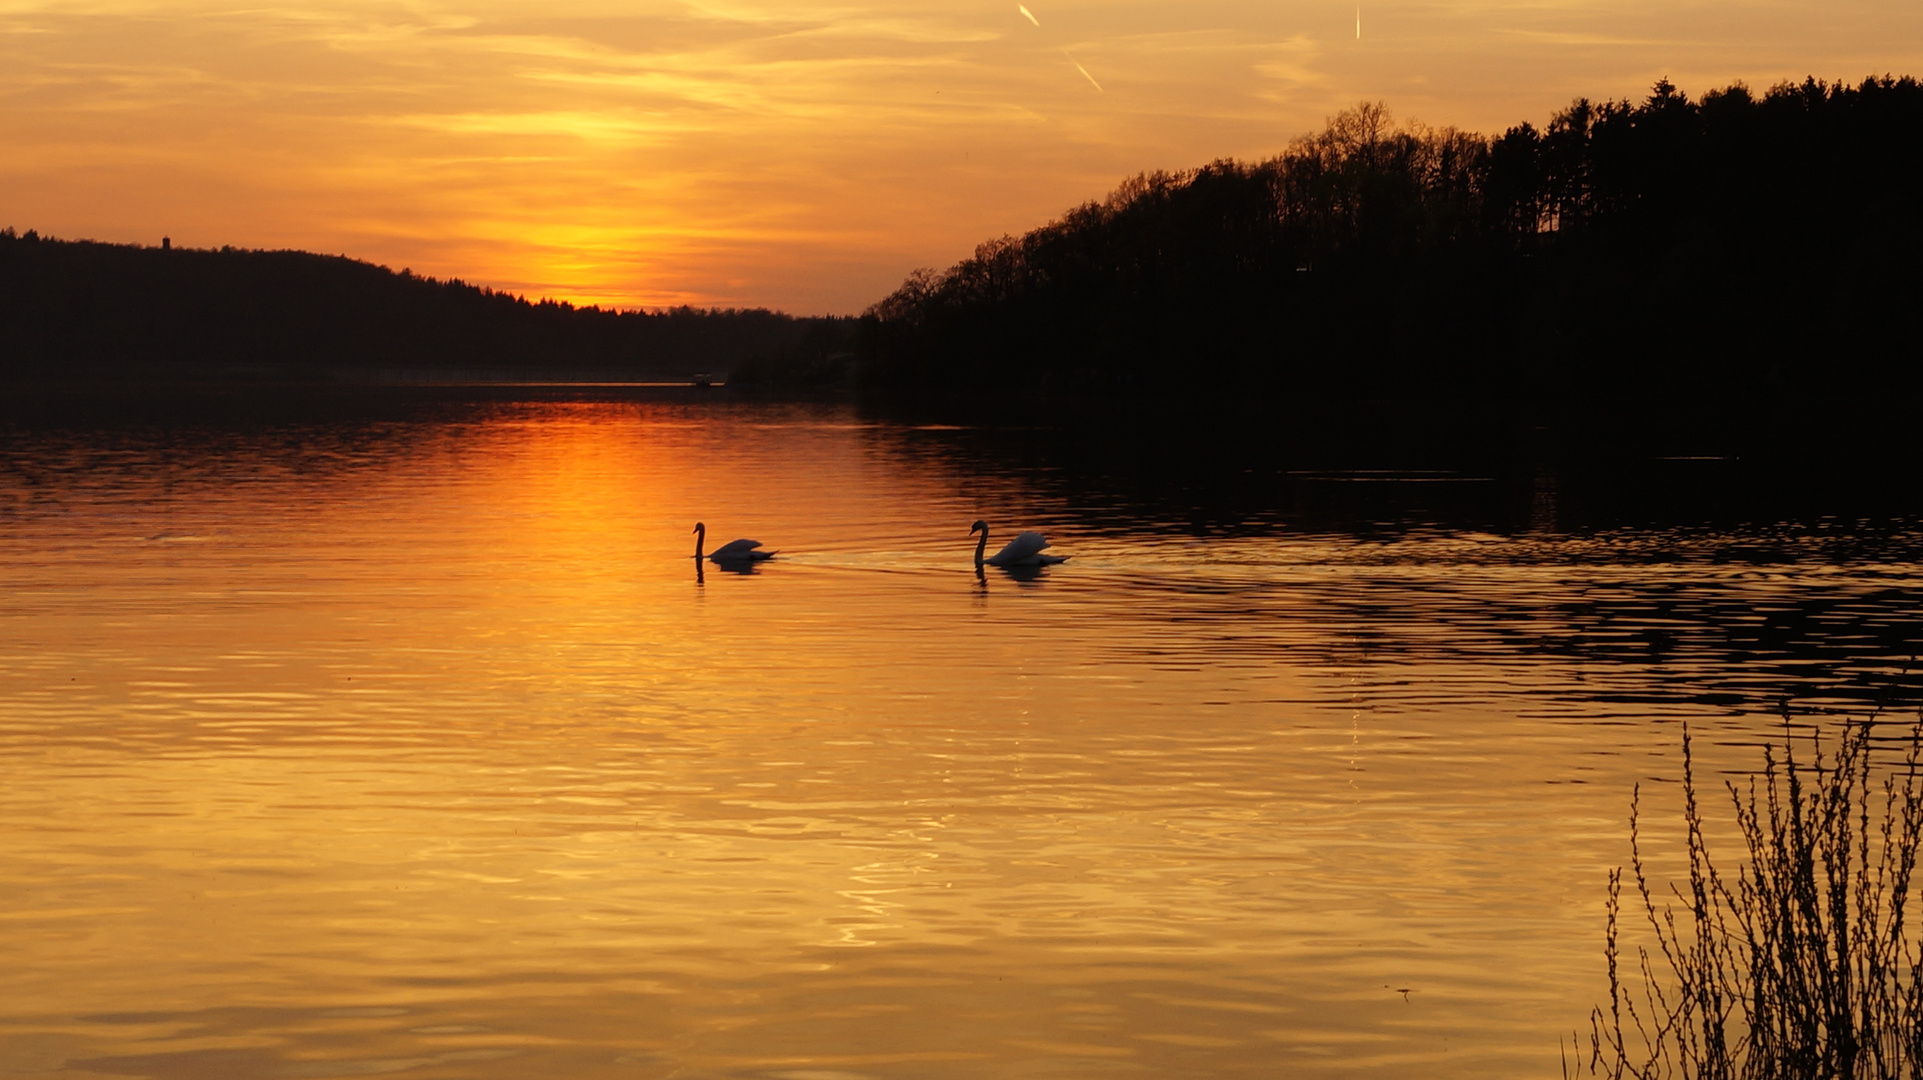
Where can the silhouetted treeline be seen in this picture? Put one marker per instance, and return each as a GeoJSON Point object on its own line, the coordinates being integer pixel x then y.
{"type": "Point", "coordinates": [821, 358]}
{"type": "Point", "coordinates": [1712, 266]}
{"type": "Point", "coordinates": [88, 310]}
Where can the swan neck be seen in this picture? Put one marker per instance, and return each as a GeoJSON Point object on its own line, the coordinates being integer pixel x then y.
{"type": "Point", "coordinates": [981, 546]}
{"type": "Point", "coordinates": [700, 537]}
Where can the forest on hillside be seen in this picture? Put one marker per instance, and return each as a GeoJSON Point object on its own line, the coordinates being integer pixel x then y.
{"type": "Point", "coordinates": [1722, 263]}
{"type": "Point", "coordinates": [86, 310]}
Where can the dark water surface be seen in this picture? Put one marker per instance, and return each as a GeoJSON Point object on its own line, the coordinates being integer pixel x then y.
{"type": "Point", "coordinates": [410, 743]}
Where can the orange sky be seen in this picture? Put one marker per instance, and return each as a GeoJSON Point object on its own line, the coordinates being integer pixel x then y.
{"type": "Point", "coordinates": [797, 155]}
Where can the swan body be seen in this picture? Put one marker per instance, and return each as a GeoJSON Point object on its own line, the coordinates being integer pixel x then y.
{"type": "Point", "coordinates": [734, 551]}
{"type": "Point", "coordinates": [1024, 550]}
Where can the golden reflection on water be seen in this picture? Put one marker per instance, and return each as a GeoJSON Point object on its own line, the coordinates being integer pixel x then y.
{"type": "Point", "coordinates": [418, 748]}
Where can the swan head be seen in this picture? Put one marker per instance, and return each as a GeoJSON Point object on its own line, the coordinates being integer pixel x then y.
{"type": "Point", "coordinates": [979, 526]}
{"type": "Point", "coordinates": [699, 527]}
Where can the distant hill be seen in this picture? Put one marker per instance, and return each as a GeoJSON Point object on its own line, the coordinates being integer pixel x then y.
{"type": "Point", "coordinates": [1716, 266]}
{"type": "Point", "coordinates": [79, 309]}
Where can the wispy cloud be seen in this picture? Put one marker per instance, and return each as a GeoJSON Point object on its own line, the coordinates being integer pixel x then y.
{"type": "Point", "coordinates": [1577, 38]}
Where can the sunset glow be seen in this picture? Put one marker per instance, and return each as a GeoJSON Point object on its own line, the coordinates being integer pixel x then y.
{"type": "Point", "coordinates": [803, 156]}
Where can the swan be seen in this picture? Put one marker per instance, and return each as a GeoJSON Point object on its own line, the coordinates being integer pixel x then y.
{"type": "Point", "coordinates": [1024, 550]}
{"type": "Point", "coordinates": [734, 551]}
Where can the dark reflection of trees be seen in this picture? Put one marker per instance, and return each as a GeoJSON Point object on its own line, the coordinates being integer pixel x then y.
{"type": "Point", "coordinates": [1649, 641]}
{"type": "Point", "coordinates": [1664, 642]}
{"type": "Point", "coordinates": [52, 435]}
{"type": "Point", "coordinates": [1684, 581]}
{"type": "Point", "coordinates": [1203, 479]}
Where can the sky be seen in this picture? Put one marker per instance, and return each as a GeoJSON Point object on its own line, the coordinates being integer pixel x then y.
{"type": "Point", "coordinates": [803, 156]}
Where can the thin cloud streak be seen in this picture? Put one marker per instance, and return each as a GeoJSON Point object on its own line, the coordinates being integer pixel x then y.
{"type": "Point", "coordinates": [1085, 74]}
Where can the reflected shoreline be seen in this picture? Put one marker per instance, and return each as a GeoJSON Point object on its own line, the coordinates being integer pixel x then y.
{"type": "Point", "coordinates": [1358, 471]}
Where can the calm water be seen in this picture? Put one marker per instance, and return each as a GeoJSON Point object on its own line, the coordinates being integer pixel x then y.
{"type": "Point", "coordinates": [415, 746]}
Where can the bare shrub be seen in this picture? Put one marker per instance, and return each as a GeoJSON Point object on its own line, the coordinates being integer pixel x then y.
{"type": "Point", "coordinates": [1801, 967]}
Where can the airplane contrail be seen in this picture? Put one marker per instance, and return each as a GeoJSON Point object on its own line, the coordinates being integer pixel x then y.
{"type": "Point", "coordinates": [1358, 24]}
{"type": "Point", "coordinates": [1023, 8]}
{"type": "Point", "coordinates": [1085, 74]}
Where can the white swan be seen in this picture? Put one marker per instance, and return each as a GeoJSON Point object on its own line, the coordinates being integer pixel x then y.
{"type": "Point", "coordinates": [734, 551]}
{"type": "Point", "coordinates": [1024, 550]}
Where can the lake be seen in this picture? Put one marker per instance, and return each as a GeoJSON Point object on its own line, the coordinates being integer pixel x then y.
{"type": "Point", "coordinates": [410, 741]}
